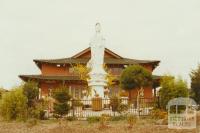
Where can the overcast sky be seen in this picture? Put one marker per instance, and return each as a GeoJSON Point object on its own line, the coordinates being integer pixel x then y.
{"type": "Point", "coordinates": [165, 30]}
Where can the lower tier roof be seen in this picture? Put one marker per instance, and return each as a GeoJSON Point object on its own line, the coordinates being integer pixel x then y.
{"type": "Point", "coordinates": [61, 78]}
{"type": "Point", "coordinates": [49, 77]}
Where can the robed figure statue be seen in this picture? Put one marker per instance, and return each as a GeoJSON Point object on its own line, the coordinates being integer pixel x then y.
{"type": "Point", "coordinates": [97, 74]}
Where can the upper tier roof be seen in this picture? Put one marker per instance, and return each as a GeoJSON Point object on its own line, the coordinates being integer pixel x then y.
{"type": "Point", "coordinates": [116, 59]}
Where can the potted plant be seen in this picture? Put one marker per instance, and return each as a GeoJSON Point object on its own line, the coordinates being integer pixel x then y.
{"type": "Point", "coordinates": [78, 105]}
{"type": "Point", "coordinates": [114, 102]}
{"type": "Point", "coordinates": [96, 102]}
{"type": "Point", "coordinates": [123, 93]}
{"type": "Point", "coordinates": [124, 97]}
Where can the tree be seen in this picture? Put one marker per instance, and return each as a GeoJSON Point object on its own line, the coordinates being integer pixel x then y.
{"type": "Point", "coordinates": [2, 90]}
{"type": "Point", "coordinates": [171, 88]}
{"type": "Point", "coordinates": [31, 91]}
{"type": "Point", "coordinates": [135, 77]}
{"type": "Point", "coordinates": [195, 84]}
{"type": "Point", "coordinates": [82, 71]}
{"type": "Point", "coordinates": [13, 105]}
{"type": "Point", "coordinates": [109, 77]}
{"type": "Point", "coordinates": [61, 106]}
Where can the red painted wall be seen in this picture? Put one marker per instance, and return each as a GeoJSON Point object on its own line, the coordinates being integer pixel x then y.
{"type": "Point", "coordinates": [51, 69]}
{"type": "Point", "coordinates": [147, 92]}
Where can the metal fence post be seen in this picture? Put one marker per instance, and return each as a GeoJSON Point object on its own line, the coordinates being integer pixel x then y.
{"type": "Point", "coordinates": [73, 114]}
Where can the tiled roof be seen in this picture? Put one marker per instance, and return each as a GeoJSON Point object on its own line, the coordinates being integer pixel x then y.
{"type": "Point", "coordinates": [116, 60]}
{"type": "Point", "coordinates": [45, 77]}
{"type": "Point", "coordinates": [62, 78]}
{"type": "Point", "coordinates": [106, 60]}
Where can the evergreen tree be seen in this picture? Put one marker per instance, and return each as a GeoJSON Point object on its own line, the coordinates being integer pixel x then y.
{"type": "Point", "coordinates": [31, 91]}
{"type": "Point", "coordinates": [61, 106]}
{"type": "Point", "coordinates": [195, 84]}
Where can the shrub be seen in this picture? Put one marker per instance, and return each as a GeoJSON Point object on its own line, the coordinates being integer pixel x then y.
{"type": "Point", "coordinates": [117, 106]}
{"type": "Point", "coordinates": [71, 118]}
{"type": "Point", "coordinates": [2, 91]}
{"type": "Point", "coordinates": [172, 88]}
{"type": "Point", "coordinates": [61, 106]}
{"type": "Point", "coordinates": [31, 91]}
{"type": "Point", "coordinates": [32, 122]}
{"type": "Point", "coordinates": [77, 103]}
{"type": "Point", "coordinates": [42, 105]}
{"type": "Point", "coordinates": [56, 116]}
{"type": "Point", "coordinates": [158, 114]}
{"type": "Point", "coordinates": [118, 118]}
{"type": "Point", "coordinates": [35, 106]}
{"type": "Point", "coordinates": [115, 102]}
{"type": "Point", "coordinates": [122, 108]}
{"type": "Point", "coordinates": [37, 111]}
{"type": "Point", "coordinates": [42, 115]}
{"type": "Point", "coordinates": [93, 119]}
{"type": "Point", "coordinates": [13, 105]}
{"type": "Point", "coordinates": [104, 121]}
{"type": "Point", "coordinates": [131, 120]}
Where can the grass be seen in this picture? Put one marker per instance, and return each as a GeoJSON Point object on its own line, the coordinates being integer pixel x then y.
{"type": "Point", "coordinates": [53, 126]}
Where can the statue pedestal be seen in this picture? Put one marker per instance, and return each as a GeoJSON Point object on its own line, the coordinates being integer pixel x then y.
{"type": "Point", "coordinates": [97, 83]}
{"type": "Point", "coordinates": [97, 104]}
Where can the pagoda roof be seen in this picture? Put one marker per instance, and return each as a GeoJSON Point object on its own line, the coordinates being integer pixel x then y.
{"type": "Point", "coordinates": [48, 77]}
{"type": "Point", "coordinates": [115, 60]}
{"type": "Point", "coordinates": [88, 49]}
{"type": "Point", "coordinates": [124, 61]}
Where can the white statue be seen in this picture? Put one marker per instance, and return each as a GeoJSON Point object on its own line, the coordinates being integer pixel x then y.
{"type": "Point", "coordinates": [97, 46]}
{"type": "Point", "coordinates": [97, 75]}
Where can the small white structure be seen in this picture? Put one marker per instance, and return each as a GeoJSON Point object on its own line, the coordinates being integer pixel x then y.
{"type": "Point", "coordinates": [97, 75]}
{"type": "Point", "coordinates": [182, 113]}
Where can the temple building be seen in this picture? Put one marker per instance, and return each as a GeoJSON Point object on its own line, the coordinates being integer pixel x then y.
{"type": "Point", "coordinates": [57, 72]}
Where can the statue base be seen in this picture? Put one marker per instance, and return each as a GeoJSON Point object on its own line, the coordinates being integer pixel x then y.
{"type": "Point", "coordinates": [97, 84]}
